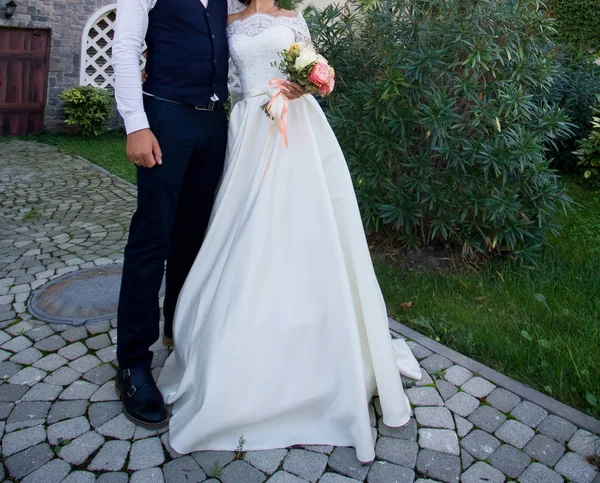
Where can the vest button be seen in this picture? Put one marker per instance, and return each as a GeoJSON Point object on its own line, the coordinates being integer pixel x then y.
{"type": "Point", "coordinates": [213, 37]}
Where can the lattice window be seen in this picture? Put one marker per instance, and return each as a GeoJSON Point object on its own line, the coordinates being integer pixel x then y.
{"type": "Point", "coordinates": [96, 50]}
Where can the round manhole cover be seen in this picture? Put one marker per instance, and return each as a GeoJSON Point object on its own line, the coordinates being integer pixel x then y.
{"type": "Point", "coordinates": [79, 297]}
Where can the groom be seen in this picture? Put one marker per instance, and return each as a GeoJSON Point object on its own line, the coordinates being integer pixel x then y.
{"type": "Point", "coordinates": [176, 136]}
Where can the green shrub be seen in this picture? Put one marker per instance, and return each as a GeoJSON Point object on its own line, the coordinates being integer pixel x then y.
{"type": "Point", "coordinates": [575, 91]}
{"type": "Point", "coordinates": [443, 114]}
{"type": "Point", "coordinates": [577, 22]}
{"type": "Point", "coordinates": [589, 153]}
{"type": "Point", "coordinates": [88, 108]}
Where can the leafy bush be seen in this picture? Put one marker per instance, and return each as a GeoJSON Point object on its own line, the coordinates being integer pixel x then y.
{"type": "Point", "coordinates": [578, 22]}
{"type": "Point", "coordinates": [443, 114]}
{"type": "Point", "coordinates": [88, 108]}
{"type": "Point", "coordinates": [589, 153]}
{"type": "Point", "coordinates": [575, 91]}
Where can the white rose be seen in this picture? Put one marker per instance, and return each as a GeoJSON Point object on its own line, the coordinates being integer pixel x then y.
{"type": "Point", "coordinates": [307, 56]}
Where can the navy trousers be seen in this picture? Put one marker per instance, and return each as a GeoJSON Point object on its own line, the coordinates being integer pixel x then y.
{"type": "Point", "coordinates": [173, 209]}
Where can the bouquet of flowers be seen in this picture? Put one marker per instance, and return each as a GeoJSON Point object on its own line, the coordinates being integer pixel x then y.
{"type": "Point", "coordinates": [303, 66]}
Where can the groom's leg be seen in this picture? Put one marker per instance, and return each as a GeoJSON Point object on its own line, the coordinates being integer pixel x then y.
{"type": "Point", "coordinates": [149, 236]}
{"type": "Point", "coordinates": [195, 205]}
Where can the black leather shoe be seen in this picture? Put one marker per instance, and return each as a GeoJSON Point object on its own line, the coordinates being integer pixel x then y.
{"type": "Point", "coordinates": [143, 403]}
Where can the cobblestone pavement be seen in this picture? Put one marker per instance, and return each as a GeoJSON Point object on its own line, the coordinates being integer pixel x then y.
{"type": "Point", "coordinates": [60, 419]}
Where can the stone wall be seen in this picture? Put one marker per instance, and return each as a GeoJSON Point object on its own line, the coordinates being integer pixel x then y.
{"type": "Point", "coordinates": [66, 19]}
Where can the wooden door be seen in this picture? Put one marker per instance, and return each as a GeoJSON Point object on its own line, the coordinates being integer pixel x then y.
{"type": "Point", "coordinates": [24, 57]}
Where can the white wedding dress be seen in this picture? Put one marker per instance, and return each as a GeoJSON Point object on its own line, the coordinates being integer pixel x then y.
{"type": "Point", "coordinates": [281, 332]}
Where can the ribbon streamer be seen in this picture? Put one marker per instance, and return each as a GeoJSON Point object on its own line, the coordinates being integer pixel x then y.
{"type": "Point", "coordinates": [278, 107]}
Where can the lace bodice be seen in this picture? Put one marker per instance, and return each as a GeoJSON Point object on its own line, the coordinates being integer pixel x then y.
{"type": "Point", "coordinates": [256, 41]}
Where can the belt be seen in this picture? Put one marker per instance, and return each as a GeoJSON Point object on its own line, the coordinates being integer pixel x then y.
{"type": "Point", "coordinates": [208, 106]}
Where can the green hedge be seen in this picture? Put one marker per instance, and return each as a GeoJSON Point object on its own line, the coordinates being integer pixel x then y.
{"type": "Point", "coordinates": [578, 21]}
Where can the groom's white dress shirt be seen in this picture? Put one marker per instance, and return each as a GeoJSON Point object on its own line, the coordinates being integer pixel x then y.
{"type": "Point", "coordinates": [130, 32]}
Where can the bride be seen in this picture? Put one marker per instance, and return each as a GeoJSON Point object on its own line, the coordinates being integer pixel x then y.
{"type": "Point", "coordinates": [281, 332]}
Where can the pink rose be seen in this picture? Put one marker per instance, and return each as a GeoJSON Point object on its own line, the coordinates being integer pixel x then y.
{"type": "Point", "coordinates": [319, 75]}
{"type": "Point", "coordinates": [327, 89]}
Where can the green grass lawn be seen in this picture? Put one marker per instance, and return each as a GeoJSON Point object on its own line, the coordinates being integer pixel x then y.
{"type": "Point", "coordinates": [540, 325]}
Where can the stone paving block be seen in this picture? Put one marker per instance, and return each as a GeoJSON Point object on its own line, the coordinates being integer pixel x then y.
{"type": "Point", "coordinates": [418, 350]}
{"type": "Point", "coordinates": [466, 459]}
{"type": "Point", "coordinates": [73, 351]}
{"type": "Point", "coordinates": [100, 413]}
{"type": "Point", "coordinates": [457, 375]}
{"type": "Point", "coordinates": [435, 362]}
{"type": "Point", "coordinates": [305, 464]}
{"type": "Point", "coordinates": [9, 369]}
{"type": "Point", "coordinates": [19, 328]}
{"type": "Point", "coordinates": [95, 328]}
{"type": "Point", "coordinates": [480, 444]}
{"type": "Point", "coordinates": [26, 462]}
{"type": "Point", "coordinates": [20, 440]}
{"type": "Point", "coordinates": [167, 444]}
{"type": "Point", "coordinates": [119, 427]}
{"type": "Point", "coordinates": [54, 471]}
{"type": "Point", "coordinates": [27, 376]}
{"type": "Point", "coordinates": [544, 449]}
{"type": "Point", "coordinates": [323, 449]}
{"type": "Point", "coordinates": [510, 460]}
{"type": "Point", "coordinates": [101, 374]}
{"type": "Point", "coordinates": [27, 357]}
{"type": "Point", "coordinates": [267, 461]}
{"type": "Point", "coordinates": [105, 393]}
{"type": "Point", "coordinates": [50, 363]}
{"type": "Point", "coordinates": [434, 417]}
{"type": "Point", "coordinates": [446, 389]}
{"type": "Point", "coordinates": [111, 456]}
{"type": "Point", "coordinates": [98, 342]}
{"type": "Point", "coordinates": [5, 409]}
{"type": "Point", "coordinates": [79, 390]}
{"type": "Point", "coordinates": [344, 461]}
{"type": "Point", "coordinates": [383, 472]}
{"type": "Point", "coordinates": [63, 376]}
{"type": "Point", "coordinates": [441, 440]}
{"type": "Point", "coordinates": [502, 399]}
{"type": "Point", "coordinates": [12, 392]}
{"type": "Point", "coordinates": [28, 412]}
{"type": "Point", "coordinates": [42, 392]}
{"type": "Point", "coordinates": [335, 478]}
{"type": "Point", "coordinates": [481, 472]}
{"type": "Point", "coordinates": [487, 418]}
{"type": "Point", "coordinates": [576, 468]}
{"type": "Point", "coordinates": [208, 459]}
{"type": "Point", "coordinates": [113, 477]}
{"type": "Point", "coordinates": [108, 354]}
{"type": "Point", "coordinates": [79, 450]}
{"type": "Point", "coordinates": [424, 396]}
{"type": "Point", "coordinates": [17, 344]}
{"type": "Point", "coordinates": [241, 471]}
{"type": "Point", "coordinates": [440, 466]}
{"type": "Point", "coordinates": [372, 416]}
{"type": "Point", "coordinates": [538, 473]}
{"type": "Point", "coordinates": [529, 413]}
{"type": "Point", "coordinates": [51, 344]}
{"type": "Point", "coordinates": [146, 453]}
{"type": "Point", "coordinates": [75, 334]}
{"type": "Point", "coordinates": [155, 475]}
{"type": "Point", "coordinates": [4, 355]}
{"type": "Point", "coordinates": [85, 363]}
{"type": "Point", "coordinates": [557, 428]}
{"type": "Point", "coordinates": [398, 451]}
{"type": "Point", "coordinates": [462, 404]}
{"type": "Point", "coordinates": [408, 431]}
{"type": "Point", "coordinates": [515, 433]}
{"type": "Point", "coordinates": [478, 387]}
{"type": "Point", "coordinates": [425, 380]}
{"type": "Point", "coordinates": [67, 430]}
{"type": "Point", "coordinates": [80, 477]}
{"type": "Point", "coordinates": [282, 477]}
{"type": "Point", "coordinates": [583, 442]}
{"type": "Point", "coordinates": [143, 433]}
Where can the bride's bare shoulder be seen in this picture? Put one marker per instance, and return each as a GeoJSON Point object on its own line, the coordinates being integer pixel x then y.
{"type": "Point", "coordinates": [234, 16]}
{"type": "Point", "coordinates": [288, 13]}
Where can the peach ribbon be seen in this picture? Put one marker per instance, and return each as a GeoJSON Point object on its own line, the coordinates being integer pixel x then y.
{"type": "Point", "coordinates": [278, 107]}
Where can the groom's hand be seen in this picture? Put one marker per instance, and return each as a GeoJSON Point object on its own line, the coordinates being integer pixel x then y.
{"type": "Point", "coordinates": [143, 149]}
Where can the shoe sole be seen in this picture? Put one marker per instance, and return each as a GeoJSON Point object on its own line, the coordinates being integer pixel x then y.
{"type": "Point", "coordinates": [136, 421]}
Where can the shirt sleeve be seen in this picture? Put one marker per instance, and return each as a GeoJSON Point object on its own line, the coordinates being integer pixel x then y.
{"type": "Point", "coordinates": [130, 32]}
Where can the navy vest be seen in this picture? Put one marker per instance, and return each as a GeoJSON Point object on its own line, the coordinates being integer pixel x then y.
{"type": "Point", "coordinates": [188, 57]}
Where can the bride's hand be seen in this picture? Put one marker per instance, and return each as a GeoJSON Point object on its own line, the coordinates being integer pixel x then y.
{"type": "Point", "coordinates": [292, 91]}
